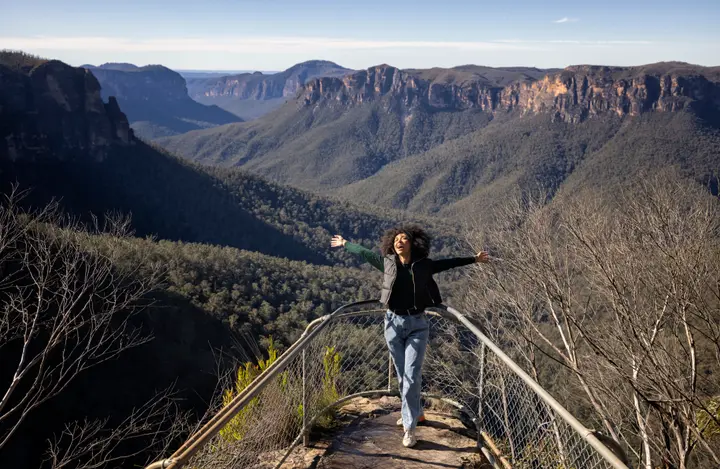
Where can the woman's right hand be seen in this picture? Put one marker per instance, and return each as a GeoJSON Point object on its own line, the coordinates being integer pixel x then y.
{"type": "Point", "coordinates": [337, 241]}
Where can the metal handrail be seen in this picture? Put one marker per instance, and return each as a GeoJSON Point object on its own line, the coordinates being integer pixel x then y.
{"type": "Point", "coordinates": [219, 420]}
{"type": "Point", "coordinates": [583, 431]}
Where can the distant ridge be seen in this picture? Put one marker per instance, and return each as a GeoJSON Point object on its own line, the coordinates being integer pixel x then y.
{"type": "Point", "coordinates": [251, 95]}
{"type": "Point", "coordinates": [155, 100]}
{"type": "Point", "coordinates": [187, 74]}
{"type": "Point", "coordinates": [573, 93]}
{"type": "Point", "coordinates": [123, 67]}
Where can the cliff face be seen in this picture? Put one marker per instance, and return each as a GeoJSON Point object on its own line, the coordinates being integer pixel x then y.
{"type": "Point", "coordinates": [258, 86]}
{"type": "Point", "coordinates": [244, 86]}
{"type": "Point", "coordinates": [571, 95]}
{"type": "Point", "coordinates": [55, 109]}
{"type": "Point", "coordinates": [581, 92]}
{"type": "Point", "coordinates": [155, 100]}
{"type": "Point", "coordinates": [153, 82]}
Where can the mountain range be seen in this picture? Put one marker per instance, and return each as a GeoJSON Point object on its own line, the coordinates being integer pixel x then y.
{"type": "Point", "coordinates": [155, 100]}
{"type": "Point", "coordinates": [58, 137]}
{"type": "Point", "coordinates": [440, 141]}
{"type": "Point", "coordinates": [251, 95]}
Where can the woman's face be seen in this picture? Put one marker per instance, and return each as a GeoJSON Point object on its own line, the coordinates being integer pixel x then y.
{"type": "Point", "coordinates": [402, 244]}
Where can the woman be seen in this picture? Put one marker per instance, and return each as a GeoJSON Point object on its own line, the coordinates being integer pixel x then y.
{"type": "Point", "coordinates": [408, 288]}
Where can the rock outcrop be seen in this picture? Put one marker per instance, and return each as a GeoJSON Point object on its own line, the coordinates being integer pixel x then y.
{"type": "Point", "coordinates": [152, 82]}
{"type": "Point", "coordinates": [55, 109]}
{"type": "Point", "coordinates": [571, 95]}
{"type": "Point", "coordinates": [258, 86]}
{"type": "Point", "coordinates": [156, 101]}
{"type": "Point", "coordinates": [365, 435]}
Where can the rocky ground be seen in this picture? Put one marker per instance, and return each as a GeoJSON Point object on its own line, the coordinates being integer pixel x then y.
{"type": "Point", "coordinates": [367, 437]}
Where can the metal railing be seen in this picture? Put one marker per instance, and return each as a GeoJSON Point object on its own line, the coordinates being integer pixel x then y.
{"type": "Point", "coordinates": [343, 355]}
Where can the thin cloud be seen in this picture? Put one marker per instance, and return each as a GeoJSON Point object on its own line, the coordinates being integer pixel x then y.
{"type": "Point", "coordinates": [279, 45]}
{"type": "Point", "coordinates": [240, 44]}
{"type": "Point", "coordinates": [573, 42]}
{"type": "Point", "coordinates": [566, 20]}
{"type": "Point", "coordinates": [595, 43]}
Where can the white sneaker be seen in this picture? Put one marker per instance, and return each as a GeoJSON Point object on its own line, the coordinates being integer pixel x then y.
{"type": "Point", "coordinates": [409, 439]}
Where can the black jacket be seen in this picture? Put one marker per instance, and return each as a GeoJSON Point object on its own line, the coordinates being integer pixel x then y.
{"type": "Point", "coordinates": [426, 291]}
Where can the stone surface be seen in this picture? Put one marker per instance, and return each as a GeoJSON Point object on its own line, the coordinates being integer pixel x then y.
{"type": "Point", "coordinates": [367, 437]}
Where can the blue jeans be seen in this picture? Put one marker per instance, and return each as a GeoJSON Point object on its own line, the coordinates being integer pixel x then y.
{"type": "Point", "coordinates": [407, 338]}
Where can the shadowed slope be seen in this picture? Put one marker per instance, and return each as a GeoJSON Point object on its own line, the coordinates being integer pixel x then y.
{"type": "Point", "coordinates": [156, 101]}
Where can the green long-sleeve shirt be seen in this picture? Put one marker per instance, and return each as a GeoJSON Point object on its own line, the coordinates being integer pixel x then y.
{"type": "Point", "coordinates": [376, 260]}
{"type": "Point", "coordinates": [371, 257]}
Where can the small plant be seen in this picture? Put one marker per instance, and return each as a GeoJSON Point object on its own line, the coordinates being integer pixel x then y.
{"type": "Point", "coordinates": [287, 415]}
{"type": "Point", "coordinates": [707, 420]}
{"type": "Point", "coordinates": [235, 430]}
{"type": "Point", "coordinates": [330, 393]}
{"type": "Point", "coordinates": [331, 363]}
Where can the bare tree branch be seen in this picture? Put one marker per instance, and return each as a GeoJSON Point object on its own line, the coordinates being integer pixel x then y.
{"type": "Point", "coordinates": [625, 292]}
{"type": "Point", "coordinates": [65, 307]}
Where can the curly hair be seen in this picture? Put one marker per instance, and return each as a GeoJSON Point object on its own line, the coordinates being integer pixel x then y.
{"type": "Point", "coordinates": [419, 241]}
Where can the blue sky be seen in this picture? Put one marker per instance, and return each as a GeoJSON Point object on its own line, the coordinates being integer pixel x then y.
{"type": "Point", "coordinates": [275, 34]}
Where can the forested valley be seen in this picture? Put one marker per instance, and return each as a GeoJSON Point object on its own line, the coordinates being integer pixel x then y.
{"type": "Point", "coordinates": [138, 285]}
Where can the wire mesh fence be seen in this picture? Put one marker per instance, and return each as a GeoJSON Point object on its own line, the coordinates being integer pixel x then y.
{"type": "Point", "coordinates": [519, 428]}
{"type": "Point", "coordinates": [345, 354]}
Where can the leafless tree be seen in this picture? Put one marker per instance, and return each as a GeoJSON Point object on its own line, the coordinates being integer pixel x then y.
{"type": "Point", "coordinates": [623, 291]}
{"type": "Point", "coordinates": [530, 289]}
{"type": "Point", "coordinates": [64, 307]}
{"type": "Point", "coordinates": [149, 429]}
{"type": "Point", "coordinates": [653, 262]}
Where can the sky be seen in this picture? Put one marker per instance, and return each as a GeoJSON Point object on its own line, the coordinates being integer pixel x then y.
{"type": "Point", "coordinates": [276, 34]}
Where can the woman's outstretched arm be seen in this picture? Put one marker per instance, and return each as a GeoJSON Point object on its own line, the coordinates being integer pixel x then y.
{"type": "Point", "coordinates": [446, 264]}
{"type": "Point", "coordinates": [370, 257]}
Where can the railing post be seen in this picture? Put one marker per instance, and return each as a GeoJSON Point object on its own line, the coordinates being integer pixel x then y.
{"type": "Point", "coordinates": [481, 397]}
{"type": "Point", "coordinates": [481, 382]}
{"type": "Point", "coordinates": [304, 399]}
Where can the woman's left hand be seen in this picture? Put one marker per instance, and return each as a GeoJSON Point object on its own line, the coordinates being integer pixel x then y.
{"type": "Point", "coordinates": [483, 257]}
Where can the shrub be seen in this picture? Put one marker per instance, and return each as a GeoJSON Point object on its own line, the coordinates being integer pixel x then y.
{"type": "Point", "coordinates": [236, 428]}
{"type": "Point", "coordinates": [279, 398]}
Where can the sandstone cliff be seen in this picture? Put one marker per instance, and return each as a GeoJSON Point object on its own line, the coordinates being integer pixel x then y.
{"type": "Point", "coordinates": [156, 101]}
{"type": "Point", "coordinates": [127, 81]}
{"type": "Point", "coordinates": [54, 109]}
{"type": "Point", "coordinates": [258, 86]}
{"type": "Point", "coordinates": [571, 95]}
